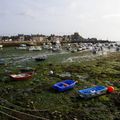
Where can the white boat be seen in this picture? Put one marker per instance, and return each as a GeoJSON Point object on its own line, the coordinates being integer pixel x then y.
{"type": "Point", "coordinates": [35, 48]}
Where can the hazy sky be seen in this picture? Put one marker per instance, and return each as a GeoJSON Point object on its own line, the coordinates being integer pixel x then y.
{"type": "Point", "coordinates": [91, 18]}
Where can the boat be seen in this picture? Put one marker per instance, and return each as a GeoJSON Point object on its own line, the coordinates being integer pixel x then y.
{"type": "Point", "coordinates": [21, 76]}
{"type": "Point", "coordinates": [92, 92]}
{"type": "Point", "coordinates": [41, 58]}
{"type": "Point", "coordinates": [64, 85]}
{"type": "Point", "coordinates": [35, 48]}
{"type": "Point", "coordinates": [22, 47]}
{"type": "Point", "coordinates": [2, 62]}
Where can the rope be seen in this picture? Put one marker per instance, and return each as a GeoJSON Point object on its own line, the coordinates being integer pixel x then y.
{"type": "Point", "coordinates": [10, 115]}
{"type": "Point", "coordinates": [34, 116]}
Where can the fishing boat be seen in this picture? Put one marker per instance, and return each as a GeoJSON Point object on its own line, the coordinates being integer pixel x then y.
{"type": "Point", "coordinates": [21, 76]}
{"type": "Point", "coordinates": [92, 92]}
{"type": "Point", "coordinates": [64, 85]}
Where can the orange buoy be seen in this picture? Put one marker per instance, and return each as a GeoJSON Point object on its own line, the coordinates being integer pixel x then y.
{"type": "Point", "coordinates": [110, 89]}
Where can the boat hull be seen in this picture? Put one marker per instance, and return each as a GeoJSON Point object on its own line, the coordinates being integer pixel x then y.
{"type": "Point", "coordinates": [19, 77]}
{"type": "Point", "coordinates": [92, 92]}
{"type": "Point", "coordinates": [64, 85]}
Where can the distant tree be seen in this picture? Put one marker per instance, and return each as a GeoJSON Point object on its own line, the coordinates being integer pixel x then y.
{"type": "Point", "coordinates": [5, 37]}
{"type": "Point", "coordinates": [27, 37]}
{"type": "Point", "coordinates": [76, 37]}
{"type": "Point", "coordinates": [92, 40]}
{"type": "Point", "coordinates": [14, 38]}
{"type": "Point", "coordinates": [49, 38]}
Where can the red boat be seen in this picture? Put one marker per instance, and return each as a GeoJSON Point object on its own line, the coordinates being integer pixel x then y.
{"type": "Point", "coordinates": [21, 76]}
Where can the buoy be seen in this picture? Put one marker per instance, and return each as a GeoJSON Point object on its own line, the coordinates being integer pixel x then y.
{"type": "Point", "coordinates": [110, 89]}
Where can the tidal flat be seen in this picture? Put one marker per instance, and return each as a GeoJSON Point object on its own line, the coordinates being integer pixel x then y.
{"type": "Point", "coordinates": [36, 96]}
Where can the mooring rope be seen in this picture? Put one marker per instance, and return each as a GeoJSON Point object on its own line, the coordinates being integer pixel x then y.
{"type": "Point", "coordinates": [21, 108]}
{"type": "Point", "coordinates": [34, 116]}
{"type": "Point", "coordinates": [10, 116]}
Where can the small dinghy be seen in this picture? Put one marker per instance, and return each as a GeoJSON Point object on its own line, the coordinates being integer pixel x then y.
{"type": "Point", "coordinates": [22, 76]}
{"type": "Point", "coordinates": [64, 85]}
{"type": "Point", "coordinates": [92, 92]}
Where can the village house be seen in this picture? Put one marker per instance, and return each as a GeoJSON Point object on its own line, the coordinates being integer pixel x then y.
{"type": "Point", "coordinates": [54, 39]}
{"type": "Point", "coordinates": [66, 38]}
{"type": "Point", "coordinates": [21, 37]}
{"type": "Point", "coordinates": [37, 38]}
{"type": "Point", "coordinates": [5, 39]}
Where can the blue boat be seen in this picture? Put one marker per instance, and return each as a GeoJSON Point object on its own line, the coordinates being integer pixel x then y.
{"type": "Point", "coordinates": [2, 62]}
{"type": "Point", "coordinates": [64, 85]}
{"type": "Point", "coordinates": [92, 92]}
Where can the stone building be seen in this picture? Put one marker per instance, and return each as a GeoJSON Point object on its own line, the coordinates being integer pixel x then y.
{"type": "Point", "coordinates": [37, 38]}
{"type": "Point", "coordinates": [21, 37]}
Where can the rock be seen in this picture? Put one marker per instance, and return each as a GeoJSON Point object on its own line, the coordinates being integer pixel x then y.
{"type": "Point", "coordinates": [51, 72]}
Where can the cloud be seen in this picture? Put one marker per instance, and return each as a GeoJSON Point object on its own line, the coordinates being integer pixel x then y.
{"type": "Point", "coordinates": [73, 5]}
{"type": "Point", "coordinates": [3, 13]}
{"type": "Point", "coordinates": [28, 13]}
{"type": "Point", "coordinates": [111, 16]}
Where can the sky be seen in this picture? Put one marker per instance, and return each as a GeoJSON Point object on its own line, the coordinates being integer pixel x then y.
{"type": "Point", "coordinates": [91, 18]}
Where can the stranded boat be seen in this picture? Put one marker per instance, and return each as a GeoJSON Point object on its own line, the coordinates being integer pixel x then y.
{"type": "Point", "coordinates": [64, 85]}
{"type": "Point", "coordinates": [2, 62]}
{"type": "Point", "coordinates": [22, 76]}
{"type": "Point", "coordinates": [93, 91]}
{"type": "Point", "coordinates": [41, 58]}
